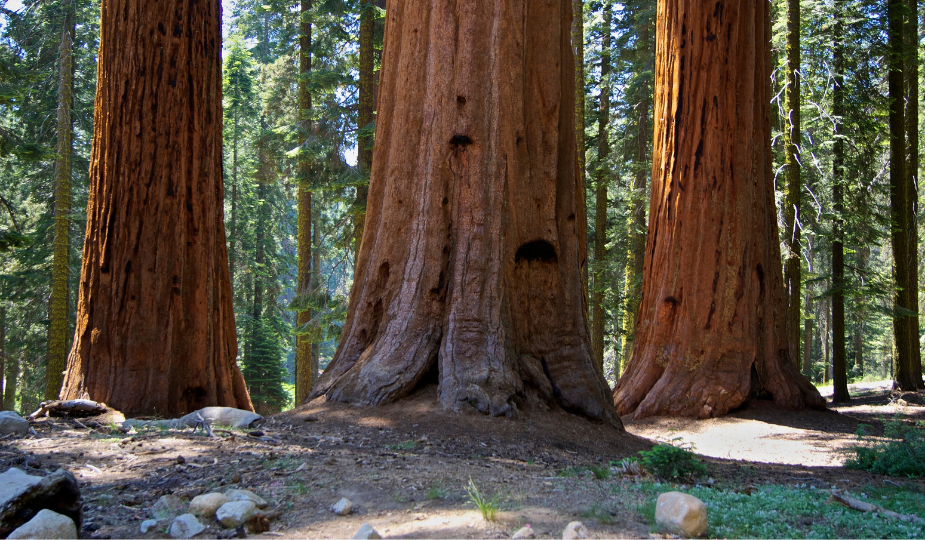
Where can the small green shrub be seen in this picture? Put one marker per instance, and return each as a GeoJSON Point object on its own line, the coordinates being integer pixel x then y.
{"type": "Point", "coordinates": [404, 446]}
{"type": "Point", "coordinates": [488, 507]}
{"type": "Point", "coordinates": [435, 492]}
{"type": "Point", "coordinates": [671, 462]}
{"type": "Point", "coordinates": [601, 473]}
{"type": "Point", "coordinates": [904, 455]}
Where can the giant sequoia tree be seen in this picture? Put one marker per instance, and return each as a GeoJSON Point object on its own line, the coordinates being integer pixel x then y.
{"type": "Point", "coordinates": [711, 329]}
{"type": "Point", "coordinates": [155, 326]}
{"type": "Point", "coordinates": [472, 254]}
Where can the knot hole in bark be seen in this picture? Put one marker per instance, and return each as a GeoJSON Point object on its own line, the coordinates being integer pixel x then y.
{"type": "Point", "coordinates": [195, 397]}
{"type": "Point", "coordinates": [537, 250]}
{"type": "Point", "coordinates": [460, 141]}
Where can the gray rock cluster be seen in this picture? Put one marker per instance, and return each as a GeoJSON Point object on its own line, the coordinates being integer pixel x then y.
{"type": "Point", "coordinates": [232, 509]}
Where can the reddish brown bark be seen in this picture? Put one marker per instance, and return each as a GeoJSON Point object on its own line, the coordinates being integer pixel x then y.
{"type": "Point", "coordinates": [155, 325]}
{"type": "Point", "coordinates": [474, 244]}
{"type": "Point", "coordinates": [711, 331]}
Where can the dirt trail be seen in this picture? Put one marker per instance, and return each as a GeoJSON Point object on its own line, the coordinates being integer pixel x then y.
{"type": "Point", "coordinates": [406, 467]}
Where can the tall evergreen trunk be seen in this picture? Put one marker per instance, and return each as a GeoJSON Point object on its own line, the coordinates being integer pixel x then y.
{"type": "Point", "coordinates": [12, 378]}
{"type": "Point", "coordinates": [155, 323]}
{"type": "Point", "coordinates": [259, 261]}
{"type": "Point", "coordinates": [3, 364]}
{"type": "Point", "coordinates": [912, 181]}
{"type": "Point", "coordinates": [808, 338]}
{"type": "Point", "coordinates": [712, 324]}
{"type": "Point", "coordinates": [826, 306]}
{"type": "Point", "coordinates": [316, 283]}
{"type": "Point", "coordinates": [601, 179]}
{"type": "Point", "coordinates": [636, 235]}
{"type": "Point", "coordinates": [304, 374]}
{"type": "Point", "coordinates": [475, 238]}
{"type": "Point", "coordinates": [364, 114]}
{"type": "Point", "coordinates": [233, 251]}
{"type": "Point", "coordinates": [578, 48]}
{"type": "Point", "coordinates": [839, 355]}
{"type": "Point", "coordinates": [58, 305]}
{"type": "Point", "coordinates": [860, 313]}
{"type": "Point", "coordinates": [792, 205]}
{"type": "Point", "coordinates": [905, 341]}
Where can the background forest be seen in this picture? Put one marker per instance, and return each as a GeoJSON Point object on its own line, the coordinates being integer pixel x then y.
{"type": "Point", "coordinates": [47, 84]}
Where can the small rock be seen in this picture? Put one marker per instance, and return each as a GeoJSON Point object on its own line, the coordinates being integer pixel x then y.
{"type": "Point", "coordinates": [206, 505]}
{"type": "Point", "coordinates": [167, 507]}
{"type": "Point", "coordinates": [149, 524]}
{"type": "Point", "coordinates": [366, 532]}
{"type": "Point", "coordinates": [574, 530]}
{"type": "Point", "coordinates": [13, 482]}
{"type": "Point", "coordinates": [13, 424]}
{"type": "Point", "coordinates": [46, 524]}
{"type": "Point", "coordinates": [186, 526]}
{"type": "Point", "coordinates": [245, 495]}
{"type": "Point", "coordinates": [181, 460]}
{"type": "Point", "coordinates": [342, 507]}
{"type": "Point", "coordinates": [236, 513]}
{"type": "Point", "coordinates": [524, 532]}
{"type": "Point", "coordinates": [681, 514]}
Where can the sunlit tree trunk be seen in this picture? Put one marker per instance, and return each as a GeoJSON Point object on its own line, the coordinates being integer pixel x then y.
{"type": "Point", "coordinates": [12, 378]}
{"type": "Point", "coordinates": [475, 237]}
{"type": "Point", "coordinates": [3, 363]}
{"type": "Point", "coordinates": [601, 179]}
{"type": "Point", "coordinates": [905, 276]}
{"type": "Point", "coordinates": [304, 375]}
{"type": "Point", "coordinates": [839, 355]}
{"type": "Point", "coordinates": [636, 234]}
{"type": "Point", "coordinates": [792, 142]}
{"type": "Point", "coordinates": [58, 305]}
{"type": "Point", "coordinates": [155, 324]}
{"type": "Point", "coordinates": [712, 319]}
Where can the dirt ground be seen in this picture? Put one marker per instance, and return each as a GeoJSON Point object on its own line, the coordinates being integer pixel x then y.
{"type": "Point", "coordinates": [406, 467]}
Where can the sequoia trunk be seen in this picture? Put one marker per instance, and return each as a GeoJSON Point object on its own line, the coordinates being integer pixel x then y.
{"type": "Point", "coordinates": [578, 48]}
{"type": "Point", "coordinates": [712, 320]}
{"type": "Point", "coordinates": [474, 246]}
{"type": "Point", "coordinates": [155, 325]}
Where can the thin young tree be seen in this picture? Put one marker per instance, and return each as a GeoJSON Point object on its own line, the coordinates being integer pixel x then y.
{"type": "Point", "coordinates": [912, 180]}
{"type": "Point", "coordinates": [794, 190]}
{"type": "Point", "coordinates": [839, 354]}
{"type": "Point", "coordinates": [712, 321]}
{"type": "Point", "coordinates": [601, 181]}
{"type": "Point", "coordinates": [155, 326]}
{"type": "Point", "coordinates": [471, 257]}
{"type": "Point", "coordinates": [305, 371]}
{"type": "Point", "coordinates": [58, 305]}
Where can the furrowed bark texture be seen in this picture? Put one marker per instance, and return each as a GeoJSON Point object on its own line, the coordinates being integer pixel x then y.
{"type": "Point", "coordinates": [473, 252]}
{"type": "Point", "coordinates": [601, 179]}
{"type": "Point", "coordinates": [58, 308]}
{"type": "Point", "coordinates": [794, 193]}
{"type": "Point", "coordinates": [905, 341]}
{"type": "Point", "coordinates": [711, 330]}
{"type": "Point", "coordinates": [155, 325]}
{"type": "Point", "coordinates": [304, 375]}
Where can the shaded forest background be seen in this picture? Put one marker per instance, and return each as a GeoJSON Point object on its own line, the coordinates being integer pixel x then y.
{"type": "Point", "coordinates": [263, 151]}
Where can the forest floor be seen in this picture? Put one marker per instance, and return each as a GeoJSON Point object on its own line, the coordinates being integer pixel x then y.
{"type": "Point", "coordinates": [407, 467]}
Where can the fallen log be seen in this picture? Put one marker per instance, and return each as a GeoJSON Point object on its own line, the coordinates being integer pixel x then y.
{"type": "Point", "coordinates": [83, 407]}
{"type": "Point", "coordinates": [861, 506]}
